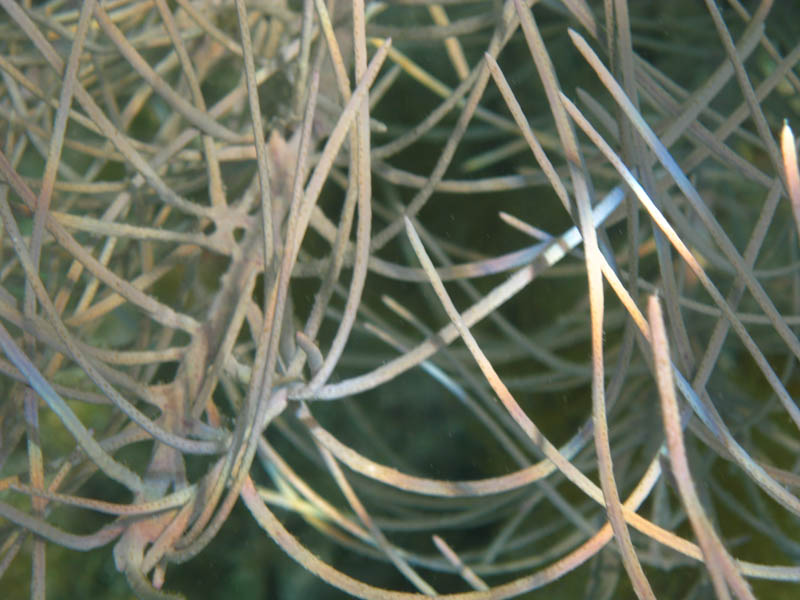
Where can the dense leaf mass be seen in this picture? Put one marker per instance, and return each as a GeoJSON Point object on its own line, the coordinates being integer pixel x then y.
{"type": "Point", "coordinates": [471, 298]}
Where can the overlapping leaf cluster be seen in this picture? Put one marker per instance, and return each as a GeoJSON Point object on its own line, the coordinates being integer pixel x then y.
{"type": "Point", "coordinates": [391, 276]}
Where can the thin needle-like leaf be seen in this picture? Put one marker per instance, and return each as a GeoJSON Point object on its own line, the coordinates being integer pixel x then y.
{"type": "Point", "coordinates": [790, 168]}
{"type": "Point", "coordinates": [720, 565]}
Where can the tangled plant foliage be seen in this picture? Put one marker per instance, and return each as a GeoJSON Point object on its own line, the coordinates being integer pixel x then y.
{"type": "Point", "coordinates": [253, 251]}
